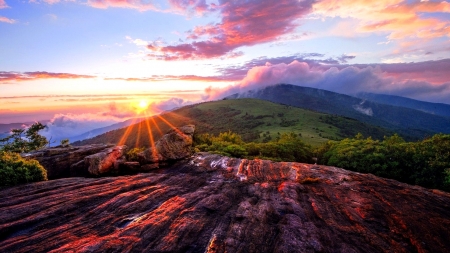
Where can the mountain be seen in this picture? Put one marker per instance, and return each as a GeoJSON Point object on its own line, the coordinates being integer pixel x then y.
{"type": "Point", "coordinates": [405, 121]}
{"type": "Point", "coordinates": [6, 128]}
{"type": "Point", "coordinates": [210, 203]}
{"type": "Point", "coordinates": [254, 120]}
{"type": "Point", "coordinates": [102, 130]}
{"type": "Point", "coordinates": [432, 108]}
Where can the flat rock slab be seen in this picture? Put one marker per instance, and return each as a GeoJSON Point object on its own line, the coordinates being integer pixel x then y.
{"type": "Point", "coordinates": [210, 203]}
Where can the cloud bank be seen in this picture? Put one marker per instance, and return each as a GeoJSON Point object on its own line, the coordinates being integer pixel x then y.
{"type": "Point", "coordinates": [394, 79]}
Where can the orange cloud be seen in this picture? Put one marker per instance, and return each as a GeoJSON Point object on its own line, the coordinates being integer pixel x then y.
{"type": "Point", "coordinates": [27, 76]}
{"type": "Point", "coordinates": [398, 18]}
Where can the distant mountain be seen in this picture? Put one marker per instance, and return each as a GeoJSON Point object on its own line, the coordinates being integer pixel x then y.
{"type": "Point", "coordinates": [253, 119]}
{"type": "Point", "coordinates": [433, 108]}
{"type": "Point", "coordinates": [405, 121]}
{"type": "Point", "coordinates": [6, 128]}
{"type": "Point", "coordinates": [102, 130]}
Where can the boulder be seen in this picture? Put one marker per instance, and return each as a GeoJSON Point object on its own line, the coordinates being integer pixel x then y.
{"type": "Point", "coordinates": [103, 162]}
{"type": "Point", "coordinates": [58, 161]}
{"type": "Point", "coordinates": [175, 145]}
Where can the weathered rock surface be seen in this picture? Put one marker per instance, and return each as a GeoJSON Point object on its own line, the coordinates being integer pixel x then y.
{"type": "Point", "coordinates": [210, 203]}
{"type": "Point", "coordinates": [174, 145]}
{"type": "Point", "coordinates": [103, 162]}
{"type": "Point", "coordinates": [63, 162]}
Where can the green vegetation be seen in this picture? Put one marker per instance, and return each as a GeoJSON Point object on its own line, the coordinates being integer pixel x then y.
{"type": "Point", "coordinates": [424, 163]}
{"type": "Point", "coordinates": [13, 168]}
{"type": "Point", "coordinates": [65, 142]}
{"type": "Point", "coordinates": [16, 170]}
{"type": "Point", "coordinates": [22, 140]}
{"type": "Point", "coordinates": [288, 147]}
{"type": "Point", "coordinates": [132, 154]}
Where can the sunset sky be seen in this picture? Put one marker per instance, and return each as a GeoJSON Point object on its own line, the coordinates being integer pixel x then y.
{"type": "Point", "coordinates": [101, 61]}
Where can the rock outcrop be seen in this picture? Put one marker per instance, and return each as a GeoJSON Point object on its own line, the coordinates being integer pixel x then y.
{"type": "Point", "coordinates": [174, 145]}
{"type": "Point", "coordinates": [63, 162]}
{"type": "Point", "coordinates": [101, 160]}
{"type": "Point", "coordinates": [210, 203]}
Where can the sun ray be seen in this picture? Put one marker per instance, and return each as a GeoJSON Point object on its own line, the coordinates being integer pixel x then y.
{"type": "Point", "coordinates": [157, 127]}
{"type": "Point", "coordinates": [170, 125]}
{"type": "Point", "coordinates": [152, 141]}
{"type": "Point", "coordinates": [136, 145]}
{"type": "Point", "coordinates": [127, 133]}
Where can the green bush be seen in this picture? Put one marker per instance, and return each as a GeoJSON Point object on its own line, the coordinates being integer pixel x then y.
{"type": "Point", "coordinates": [16, 170]}
{"type": "Point", "coordinates": [132, 154]}
{"type": "Point", "coordinates": [425, 163]}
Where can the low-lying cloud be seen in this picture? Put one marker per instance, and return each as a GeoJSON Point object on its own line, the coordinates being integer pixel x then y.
{"type": "Point", "coordinates": [347, 79]}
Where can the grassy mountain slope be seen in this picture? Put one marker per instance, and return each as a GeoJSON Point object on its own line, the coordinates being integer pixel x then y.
{"type": "Point", "coordinates": [255, 120]}
{"type": "Point", "coordinates": [407, 122]}
{"type": "Point", "coordinates": [433, 108]}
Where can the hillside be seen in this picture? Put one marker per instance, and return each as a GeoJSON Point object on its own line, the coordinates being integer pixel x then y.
{"type": "Point", "coordinates": [102, 130]}
{"type": "Point", "coordinates": [405, 121]}
{"type": "Point", "coordinates": [255, 120]}
{"type": "Point", "coordinates": [433, 108]}
{"type": "Point", "coordinates": [210, 203]}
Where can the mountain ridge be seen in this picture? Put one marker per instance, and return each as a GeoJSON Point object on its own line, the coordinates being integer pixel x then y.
{"type": "Point", "coordinates": [406, 121]}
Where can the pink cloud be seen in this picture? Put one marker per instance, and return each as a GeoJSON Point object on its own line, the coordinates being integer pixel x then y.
{"type": "Point", "coordinates": [404, 79]}
{"type": "Point", "coordinates": [3, 4]}
{"type": "Point", "coordinates": [7, 20]}
{"type": "Point", "coordinates": [244, 23]}
{"type": "Point", "coordinates": [191, 6]}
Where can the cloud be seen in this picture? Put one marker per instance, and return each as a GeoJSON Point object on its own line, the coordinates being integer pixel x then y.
{"type": "Point", "coordinates": [395, 79]}
{"type": "Point", "coordinates": [398, 18]}
{"type": "Point", "coordinates": [27, 76]}
{"type": "Point", "coordinates": [142, 5]}
{"type": "Point", "coordinates": [63, 126]}
{"type": "Point", "coordinates": [198, 7]}
{"type": "Point", "coordinates": [244, 23]}
{"type": "Point", "coordinates": [7, 20]}
{"type": "Point", "coordinates": [3, 4]}
{"type": "Point", "coordinates": [169, 104]}
{"type": "Point", "coordinates": [162, 78]}
{"type": "Point", "coordinates": [237, 72]}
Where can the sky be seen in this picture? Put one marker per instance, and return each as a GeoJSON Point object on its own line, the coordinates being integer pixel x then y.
{"type": "Point", "coordinates": [85, 63]}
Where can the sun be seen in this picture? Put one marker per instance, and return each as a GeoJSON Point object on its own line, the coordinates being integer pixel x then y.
{"type": "Point", "coordinates": [143, 104]}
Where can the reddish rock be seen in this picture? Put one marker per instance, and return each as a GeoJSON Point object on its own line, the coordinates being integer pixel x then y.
{"type": "Point", "coordinates": [210, 203]}
{"type": "Point", "coordinates": [58, 161]}
{"type": "Point", "coordinates": [103, 162]}
{"type": "Point", "coordinates": [174, 145]}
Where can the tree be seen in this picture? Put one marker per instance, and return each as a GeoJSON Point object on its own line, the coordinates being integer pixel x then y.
{"type": "Point", "coordinates": [25, 140]}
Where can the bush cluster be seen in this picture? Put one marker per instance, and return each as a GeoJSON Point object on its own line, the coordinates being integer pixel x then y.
{"type": "Point", "coordinates": [16, 170]}
{"type": "Point", "coordinates": [288, 147]}
{"type": "Point", "coordinates": [425, 163]}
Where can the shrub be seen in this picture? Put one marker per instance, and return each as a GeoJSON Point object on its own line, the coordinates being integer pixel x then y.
{"type": "Point", "coordinates": [132, 154]}
{"type": "Point", "coordinates": [16, 170]}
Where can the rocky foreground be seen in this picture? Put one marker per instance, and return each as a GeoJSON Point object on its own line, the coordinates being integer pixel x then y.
{"type": "Point", "coordinates": [209, 203]}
